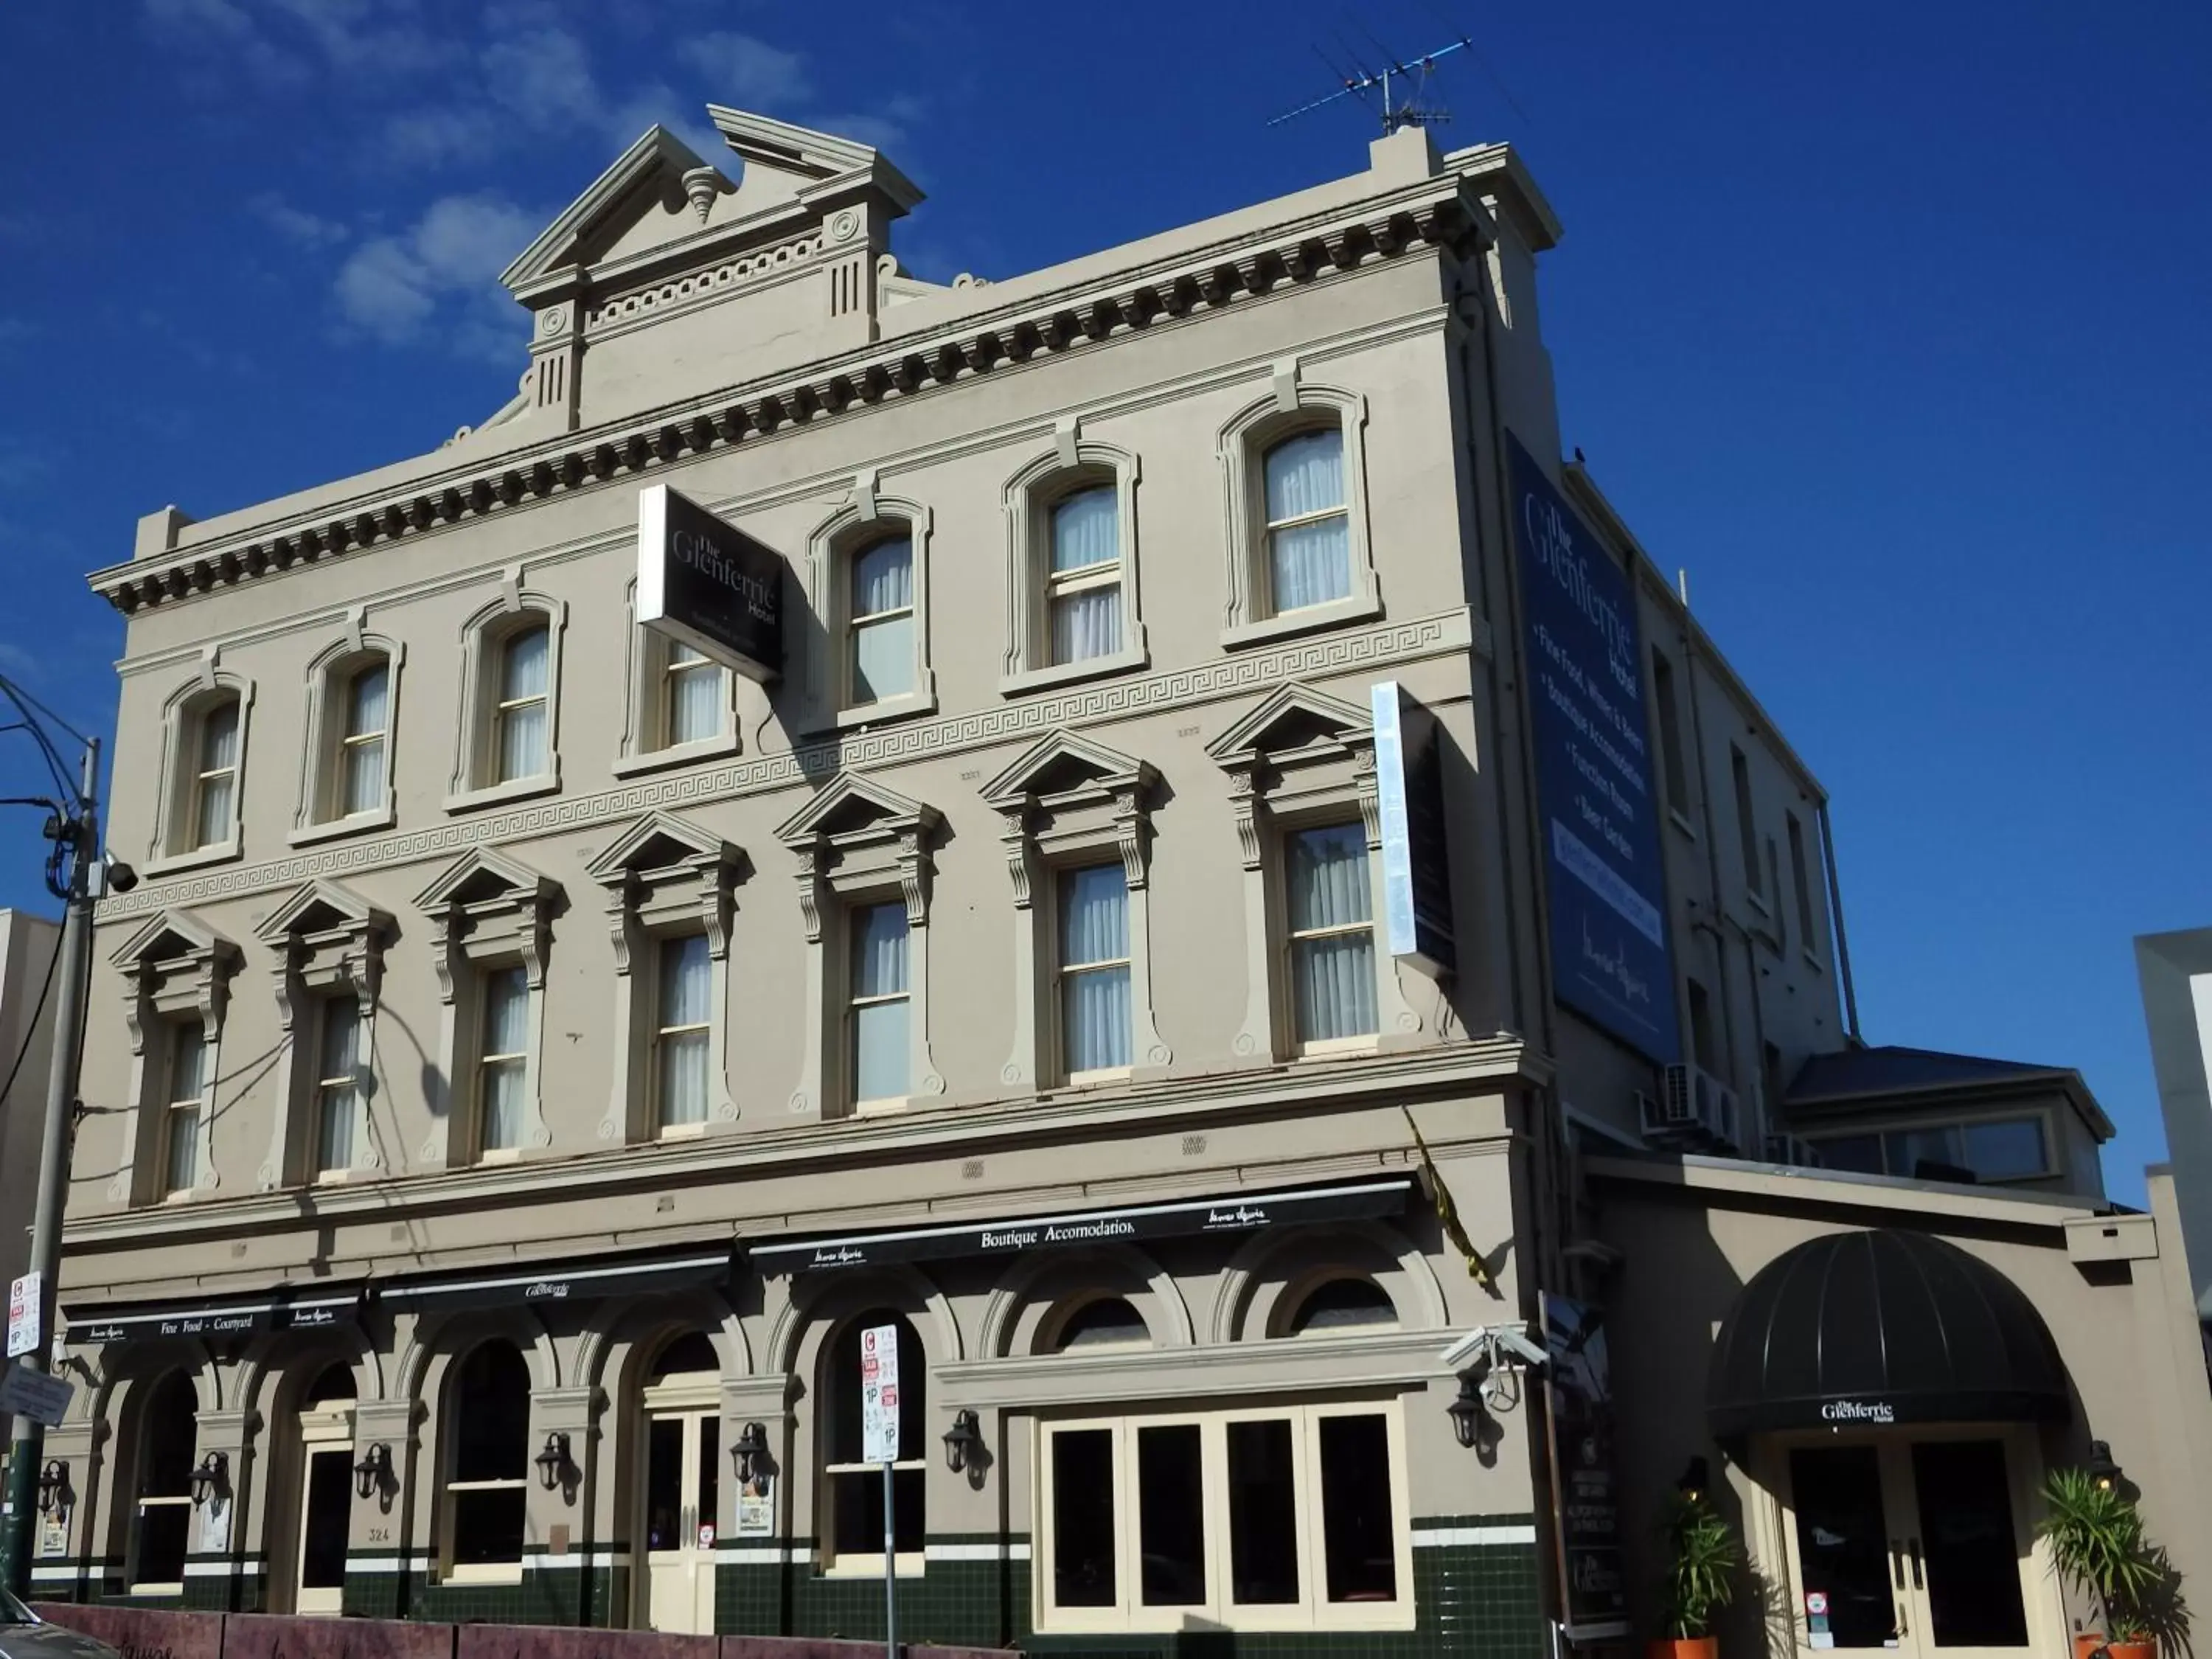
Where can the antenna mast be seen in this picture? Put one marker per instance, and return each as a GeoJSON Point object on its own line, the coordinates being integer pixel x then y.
{"type": "Point", "coordinates": [1402, 83]}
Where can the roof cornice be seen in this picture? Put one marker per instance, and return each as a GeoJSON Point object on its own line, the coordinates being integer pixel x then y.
{"type": "Point", "coordinates": [1444, 210]}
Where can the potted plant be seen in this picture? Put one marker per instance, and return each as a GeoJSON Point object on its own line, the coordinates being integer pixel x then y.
{"type": "Point", "coordinates": [2096, 1538]}
{"type": "Point", "coordinates": [1702, 1559]}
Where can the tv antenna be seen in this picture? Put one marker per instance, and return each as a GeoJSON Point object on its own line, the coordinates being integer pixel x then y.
{"type": "Point", "coordinates": [1403, 84]}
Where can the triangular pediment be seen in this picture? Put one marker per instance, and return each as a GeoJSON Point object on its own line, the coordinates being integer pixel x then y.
{"type": "Point", "coordinates": [1065, 762]}
{"type": "Point", "coordinates": [482, 873]}
{"type": "Point", "coordinates": [171, 934]}
{"type": "Point", "coordinates": [851, 802]}
{"type": "Point", "coordinates": [804, 156]}
{"type": "Point", "coordinates": [661, 841]}
{"type": "Point", "coordinates": [650, 170]}
{"type": "Point", "coordinates": [319, 906]}
{"type": "Point", "coordinates": [1292, 717]}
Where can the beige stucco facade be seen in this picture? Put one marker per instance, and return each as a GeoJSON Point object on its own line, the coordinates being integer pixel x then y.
{"type": "Point", "coordinates": [324, 853]}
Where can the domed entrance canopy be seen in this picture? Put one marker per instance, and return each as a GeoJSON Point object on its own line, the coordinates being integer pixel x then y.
{"type": "Point", "coordinates": [1880, 1327]}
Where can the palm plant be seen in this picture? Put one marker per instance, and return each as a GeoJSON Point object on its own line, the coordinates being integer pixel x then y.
{"type": "Point", "coordinates": [2096, 1539]}
{"type": "Point", "coordinates": [1702, 1559]}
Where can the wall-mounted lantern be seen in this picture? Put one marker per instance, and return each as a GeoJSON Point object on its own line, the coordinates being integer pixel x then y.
{"type": "Point", "coordinates": [1697, 1476]}
{"type": "Point", "coordinates": [748, 1451]}
{"type": "Point", "coordinates": [54, 1488]}
{"type": "Point", "coordinates": [373, 1470]}
{"type": "Point", "coordinates": [553, 1462]}
{"type": "Point", "coordinates": [1466, 1412]}
{"type": "Point", "coordinates": [2102, 1469]}
{"type": "Point", "coordinates": [963, 1441]}
{"type": "Point", "coordinates": [208, 1480]}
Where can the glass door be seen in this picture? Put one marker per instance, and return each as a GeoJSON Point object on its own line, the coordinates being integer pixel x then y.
{"type": "Point", "coordinates": [1920, 1546]}
{"type": "Point", "coordinates": [325, 1511]}
{"type": "Point", "coordinates": [683, 1499]}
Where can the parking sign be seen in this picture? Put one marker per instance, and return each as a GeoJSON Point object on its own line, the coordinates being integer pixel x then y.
{"type": "Point", "coordinates": [879, 1398]}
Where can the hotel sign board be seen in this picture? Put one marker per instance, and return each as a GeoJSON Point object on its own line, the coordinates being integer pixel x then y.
{"type": "Point", "coordinates": [1416, 874]}
{"type": "Point", "coordinates": [1604, 874]}
{"type": "Point", "coordinates": [703, 581]}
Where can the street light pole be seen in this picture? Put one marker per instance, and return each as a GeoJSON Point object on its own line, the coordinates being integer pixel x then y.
{"type": "Point", "coordinates": [87, 880]}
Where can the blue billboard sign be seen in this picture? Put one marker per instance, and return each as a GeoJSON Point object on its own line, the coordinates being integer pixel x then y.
{"type": "Point", "coordinates": [1598, 815]}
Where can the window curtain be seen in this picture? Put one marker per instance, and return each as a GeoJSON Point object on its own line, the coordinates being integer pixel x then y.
{"type": "Point", "coordinates": [883, 652]}
{"type": "Point", "coordinates": [694, 696]}
{"type": "Point", "coordinates": [367, 701]}
{"type": "Point", "coordinates": [880, 1018]}
{"type": "Point", "coordinates": [1086, 531]}
{"type": "Point", "coordinates": [522, 726]}
{"type": "Point", "coordinates": [1086, 535]}
{"type": "Point", "coordinates": [1094, 929]}
{"type": "Point", "coordinates": [187, 1092]}
{"type": "Point", "coordinates": [1311, 562]}
{"type": "Point", "coordinates": [218, 773]}
{"type": "Point", "coordinates": [1086, 624]}
{"type": "Point", "coordinates": [341, 1091]}
{"type": "Point", "coordinates": [1325, 884]}
{"type": "Point", "coordinates": [506, 1039]}
{"type": "Point", "coordinates": [686, 987]}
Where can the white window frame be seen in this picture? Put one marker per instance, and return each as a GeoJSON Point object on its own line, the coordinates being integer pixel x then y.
{"type": "Point", "coordinates": [476, 781]}
{"type": "Point", "coordinates": [176, 820]}
{"type": "Point", "coordinates": [180, 1032]}
{"type": "Point", "coordinates": [645, 741]}
{"type": "Point", "coordinates": [327, 1082]}
{"type": "Point", "coordinates": [1240, 447]}
{"type": "Point", "coordinates": [322, 777]}
{"type": "Point", "coordinates": [1064, 972]}
{"type": "Point", "coordinates": [657, 1064]}
{"type": "Point", "coordinates": [477, 1572]}
{"type": "Point", "coordinates": [830, 551]}
{"type": "Point", "coordinates": [140, 1505]}
{"type": "Point", "coordinates": [859, 1105]}
{"type": "Point", "coordinates": [521, 1060]}
{"type": "Point", "coordinates": [1311, 1612]}
{"type": "Point", "coordinates": [1073, 465]}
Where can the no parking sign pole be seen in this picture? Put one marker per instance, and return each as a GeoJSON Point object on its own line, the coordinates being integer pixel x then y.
{"type": "Point", "coordinates": [879, 1443]}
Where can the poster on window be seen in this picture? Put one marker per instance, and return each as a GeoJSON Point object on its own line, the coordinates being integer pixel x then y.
{"type": "Point", "coordinates": [1585, 1503]}
{"type": "Point", "coordinates": [757, 1506]}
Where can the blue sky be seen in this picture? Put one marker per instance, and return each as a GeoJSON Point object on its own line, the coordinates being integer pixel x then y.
{"type": "Point", "coordinates": [1890, 322]}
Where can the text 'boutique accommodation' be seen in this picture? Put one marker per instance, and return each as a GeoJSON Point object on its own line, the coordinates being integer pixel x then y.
{"type": "Point", "coordinates": [1080, 768]}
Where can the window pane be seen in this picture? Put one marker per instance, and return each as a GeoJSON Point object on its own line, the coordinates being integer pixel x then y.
{"type": "Point", "coordinates": [1086, 624]}
{"type": "Point", "coordinates": [1310, 564]}
{"type": "Point", "coordinates": [2010, 1151]}
{"type": "Point", "coordinates": [1344, 1304]}
{"type": "Point", "coordinates": [188, 1063]}
{"type": "Point", "coordinates": [341, 1038]}
{"type": "Point", "coordinates": [687, 980]}
{"type": "Point", "coordinates": [694, 703]}
{"type": "Point", "coordinates": [1857, 1154]}
{"type": "Point", "coordinates": [166, 1436]}
{"type": "Point", "coordinates": [1171, 1516]}
{"type": "Point", "coordinates": [1094, 1019]}
{"type": "Point", "coordinates": [364, 701]}
{"type": "Point", "coordinates": [1907, 1150]}
{"type": "Point", "coordinates": [663, 1483]}
{"type": "Point", "coordinates": [328, 1521]}
{"type": "Point", "coordinates": [184, 1171]}
{"type": "Point", "coordinates": [1305, 474]}
{"type": "Point", "coordinates": [883, 578]}
{"type": "Point", "coordinates": [1974, 1557]}
{"type": "Point", "coordinates": [507, 1011]}
{"type": "Point", "coordinates": [162, 1529]}
{"type": "Point", "coordinates": [363, 787]}
{"type": "Point", "coordinates": [1086, 530]}
{"type": "Point", "coordinates": [1082, 1518]}
{"type": "Point", "coordinates": [334, 1143]}
{"type": "Point", "coordinates": [879, 1051]}
{"type": "Point", "coordinates": [1094, 916]}
{"type": "Point", "coordinates": [219, 737]}
{"type": "Point", "coordinates": [521, 742]}
{"type": "Point", "coordinates": [523, 665]}
{"type": "Point", "coordinates": [1358, 1529]}
{"type": "Point", "coordinates": [1263, 1517]}
{"type": "Point", "coordinates": [211, 823]}
{"type": "Point", "coordinates": [491, 1415]}
{"type": "Point", "coordinates": [683, 1079]}
{"type": "Point", "coordinates": [1097, 1324]}
{"type": "Point", "coordinates": [883, 659]}
{"type": "Point", "coordinates": [487, 1526]}
{"type": "Point", "coordinates": [1334, 987]}
{"type": "Point", "coordinates": [1325, 878]}
{"type": "Point", "coordinates": [879, 938]}
{"type": "Point", "coordinates": [1094, 927]}
{"type": "Point", "coordinates": [503, 1106]}
{"type": "Point", "coordinates": [856, 1502]}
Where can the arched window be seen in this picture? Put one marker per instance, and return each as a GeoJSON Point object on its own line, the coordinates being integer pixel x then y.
{"type": "Point", "coordinates": [880, 616]}
{"type": "Point", "coordinates": [214, 782]}
{"type": "Point", "coordinates": [332, 1384]}
{"type": "Point", "coordinates": [510, 700]}
{"type": "Point", "coordinates": [1072, 600]}
{"type": "Point", "coordinates": [1108, 1321]}
{"type": "Point", "coordinates": [1343, 1304]}
{"type": "Point", "coordinates": [1083, 578]}
{"type": "Point", "coordinates": [1299, 556]}
{"type": "Point", "coordinates": [363, 737]}
{"type": "Point", "coordinates": [521, 724]}
{"type": "Point", "coordinates": [851, 1490]}
{"type": "Point", "coordinates": [488, 1464]}
{"type": "Point", "coordinates": [693, 1351]}
{"type": "Point", "coordinates": [162, 1523]}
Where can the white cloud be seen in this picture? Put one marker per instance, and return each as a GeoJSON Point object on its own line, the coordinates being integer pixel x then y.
{"type": "Point", "coordinates": [296, 224]}
{"type": "Point", "coordinates": [439, 277]}
{"type": "Point", "coordinates": [743, 70]}
{"type": "Point", "coordinates": [18, 662]}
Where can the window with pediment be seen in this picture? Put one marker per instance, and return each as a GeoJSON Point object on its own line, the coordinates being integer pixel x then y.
{"type": "Point", "coordinates": [868, 571]}
{"type": "Point", "coordinates": [1302, 788]}
{"type": "Point", "coordinates": [176, 971]}
{"type": "Point", "coordinates": [199, 811]}
{"type": "Point", "coordinates": [863, 853]}
{"type": "Point", "coordinates": [670, 892]}
{"type": "Point", "coordinates": [508, 743]}
{"type": "Point", "coordinates": [1076, 826]}
{"type": "Point", "coordinates": [1072, 591]}
{"type": "Point", "coordinates": [492, 920]}
{"type": "Point", "coordinates": [329, 944]}
{"type": "Point", "coordinates": [1293, 468]}
{"type": "Point", "coordinates": [682, 704]}
{"type": "Point", "coordinates": [352, 713]}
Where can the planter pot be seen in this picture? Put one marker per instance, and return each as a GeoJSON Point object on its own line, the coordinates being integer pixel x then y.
{"type": "Point", "coordinates": [1681, 1647]}
{"type": "Point", "coordinates": [2134, 1649]}
{"type": "Point", "coordinates": [2087, 1642]}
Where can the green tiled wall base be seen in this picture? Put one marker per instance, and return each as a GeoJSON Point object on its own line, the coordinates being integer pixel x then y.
{"type": "Point", "coordinates": [244, 1589]}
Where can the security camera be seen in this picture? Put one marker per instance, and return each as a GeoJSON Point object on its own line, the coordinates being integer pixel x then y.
{"type": "Point", "coordinates": [1519, 1346]}
{"type": "Point", "coordinates": [1490, 1340]}
{"type": "Point", "coordinates": [121, 877]}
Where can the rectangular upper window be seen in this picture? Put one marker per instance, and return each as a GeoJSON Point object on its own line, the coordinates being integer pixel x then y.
{"type": "Point", "coordinates": [1746, 826]}
{"type": "Point", "coordinates": [1082, 588]}
{"type": "Point", "coordinates": [1992, 1150]}
{"type": "Point", "coordinates": [1094, 970]}
{"type": "Point", "coordinates": [681, 1042]}
{"type": "Point", "coordinates": [1329, 907]}
{"type": "Point", "coordinates": [1308, 520]}
{"type": "Point", "coordinates": [502, 1064]}
{"type": "Point", "coordinates": [880, 1008]}
{"type": "Point", "coordinates": [188, 1086]}
{"type": "Point", "coordinates": [1801, 872]}
{"type": "Point", "coordinates": [215, 780]}
{"type": "Point", "coordinates": [881, 621]}
{"type": "Point", "coordinates": [338, 1087]}
{"type": "Point", "coordinates": [1673, 774]}
{"type": "Point", "coordinates": [521, 719]}
{"type": "Point", "coordinates": [694, 694]}
{"type": "Point", "coordinates": [362, 743]}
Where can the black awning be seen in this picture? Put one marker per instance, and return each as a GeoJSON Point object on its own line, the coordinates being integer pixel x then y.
{"type": "Point", "coordinates": [1236, 1213]}
{"type": "Point", "coordinates": [1880, 1327]}
{"type": "Point", "coordinates": [306, 1307]}
{"type": "Point", "coordinates": [580, 1279]}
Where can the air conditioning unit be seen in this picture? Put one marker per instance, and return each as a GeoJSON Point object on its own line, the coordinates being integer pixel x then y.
{"type": "Point", "coordinates": [1694, 1109]}
{"type": "Point", "coordinates": [1794, 1151]}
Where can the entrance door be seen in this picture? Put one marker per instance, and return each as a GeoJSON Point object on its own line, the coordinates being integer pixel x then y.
{"type": "Point", "coordinates": [682, 1499]}
{"type": "Point", "coordinates": [325, 1509]}
{"type": "Point", "coordinates": [1920, 1546]}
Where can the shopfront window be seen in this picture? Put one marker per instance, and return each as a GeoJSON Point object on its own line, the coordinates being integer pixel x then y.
{"type": "Point", "coordinates": [488, 1490]}
{"type": "Point", "coordinates": [853, 1490]}
{"type": "Point", "coordinates": [1285, 1519]}
{"type": "Point", "coordinates": [163, 1522]}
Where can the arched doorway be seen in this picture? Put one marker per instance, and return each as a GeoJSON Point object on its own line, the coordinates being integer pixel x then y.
{"type": "Point", "coordinates": [325, 1427]}
{"type": "Point", "coordinates": [680, 1499]}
